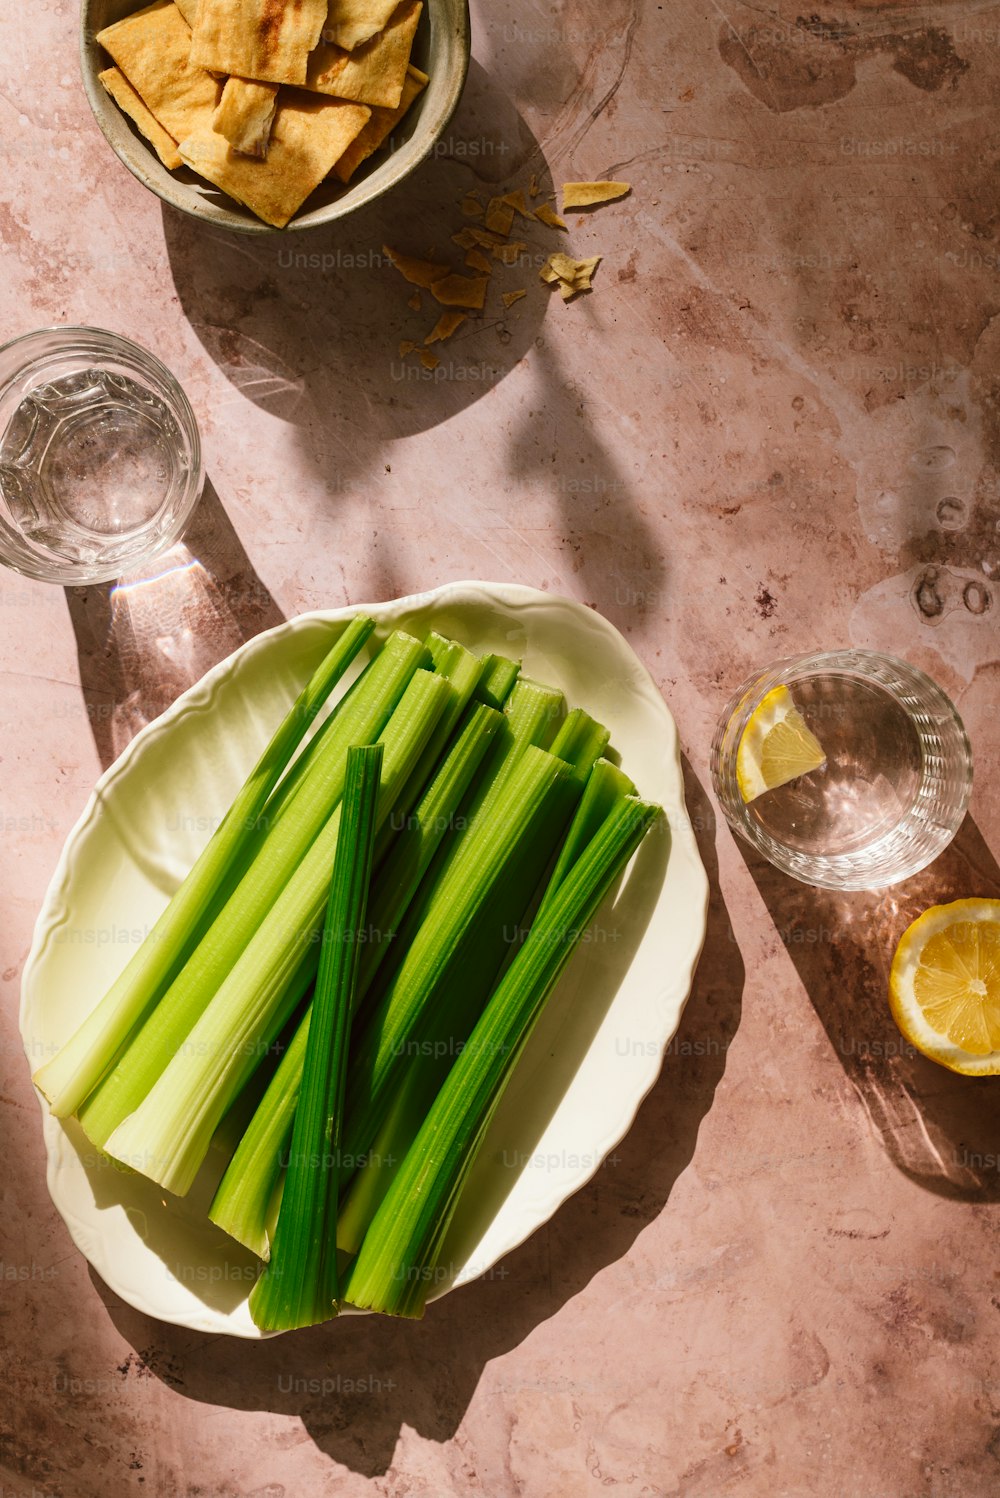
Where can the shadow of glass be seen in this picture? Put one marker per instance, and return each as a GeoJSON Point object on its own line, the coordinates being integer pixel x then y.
{"type": "Point", "coordinates": [146, 638]}
{"type": "Point", "coordinates": [356, 1382]}
{"type": "Point", "coordinates": [937, 1127]}
{"type": "Point", "coordinates": [308, 327]}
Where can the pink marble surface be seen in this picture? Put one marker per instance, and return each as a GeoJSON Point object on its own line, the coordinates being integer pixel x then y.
{"type": "Point", "coordinates": [773, 426]}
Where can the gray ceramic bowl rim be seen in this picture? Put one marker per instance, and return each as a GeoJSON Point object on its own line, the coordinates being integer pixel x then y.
{"type": "Point", "coordinates": [449, 49]}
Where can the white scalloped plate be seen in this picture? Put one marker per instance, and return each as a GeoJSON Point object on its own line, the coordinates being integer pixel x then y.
{"type": "Point", "coordinates": [593, 1056]}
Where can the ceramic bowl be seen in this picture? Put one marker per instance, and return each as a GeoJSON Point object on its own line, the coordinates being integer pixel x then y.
{"type": "Point", "coordinates": [441, 48]}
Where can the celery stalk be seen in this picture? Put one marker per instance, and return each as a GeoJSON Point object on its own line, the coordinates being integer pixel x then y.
{"type": "Point", "coordinates": [166, 1136]}
{"type": "Point", "coordinates": [241, 1201]}
{"type": "Point", "coordinates": [282, 851]}
{"type": "Point", "coordinates": [395, 1267]}
{"type": "Point", "coordinates": [447, 935]}
{"type": "Point", "coordinates": [299, 1286]}
{"type": "Point", "coordinates": [496, 680]}
{"type": "Point", "coordinates": [462, 669]}
{"type": "Point", "coordinates": [606, 785]}
{"type": "Point", "coordinates": [77, 1068]}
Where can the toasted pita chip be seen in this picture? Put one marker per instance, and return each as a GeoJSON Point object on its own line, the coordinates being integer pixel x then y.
{"type": "Point", "coordinates": [189, 10]}
{"type": "Point", "coordinates": [589, 194]}
{"type": "Point", "coordinates": [568, 274]}
{"type": "Point", "coordinates": [418, 272]}
{"type": "Point", "coordinates": [381, 125]}
{"type": "Point", "coordinates": [516, 201]}
{"type": "Point", "coordinates": [547, 214]}
{"type": "Point", "coordinates": [470, 206]}
{"type": "Point", "coordinates": [445, 326]}
{"type": "Point", "coordinates": [482, 237]}
{"type": "Point", "coordinates": [371, 74]}
{"type": "Point", "coordinates": [499, 216]}
{"type": "Point", "coordinates": [465, 239]}
{"type": "Point", "coordinates": [476, 260]}
{"type": "Point", "coordinates": [406, 346]}
{"type": "Point", "coordinates": [152, 47]}
{"type": "Point", "coordinates": [510, 297]}
{"type": "Point", "coordinates": [429, 360]}
{"type": "Point", "coordinates": [307, 137]}
{"type": "Point", "coordinates": [131, 104]}
{"type": "Point", "coordinates": [350, 23]}
{"type": "Point", "coordinates": [460, 291]}
{"type": "Point", "coordinates": [245, 114]}
{"type": "Point", "coordinates": [267, 40]}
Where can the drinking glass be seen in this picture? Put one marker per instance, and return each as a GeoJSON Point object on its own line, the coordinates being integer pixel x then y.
{"type": "Point", "coordinates": [893, 788]}
{"type": "Point", "coordinates": [100, 459]}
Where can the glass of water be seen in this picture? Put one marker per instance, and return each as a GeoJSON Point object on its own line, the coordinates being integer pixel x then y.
{"type": "Point", "coordinates": [100, 459]}
{"type": "Point", "coordinates": [895, 777]}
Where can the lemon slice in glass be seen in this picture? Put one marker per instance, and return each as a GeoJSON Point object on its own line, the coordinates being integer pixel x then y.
{"type": "Point", "coordinates": [944, 986]}
{"type": "Point", "coordinates": [776, 746]}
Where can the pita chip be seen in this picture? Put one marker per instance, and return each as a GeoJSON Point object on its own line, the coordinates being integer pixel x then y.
{"type": "Point", "coordinates": [189, 10]}
{"type": "Point", "coordinates": [308, 135]}
{"type": "Point", "coordinates": [350, 23]}
{"type": "Point", "coordinates": [460, 291]}
{"type": "Point", "coordinates": [590, 194]}
{"type": "Point", "coordinates": [445, 326]}
{"type": "Point", "coordinates": [244, 115]}
{"type": "Point", "coordinates": [381, 125]}
{"type": "Point", "coordinates": [130, 103]}
{"type": "Point", "coordinates": [421, 273]}
{"type": "Point", "coordinates": [152, 47]}
{"type": "Point", "coordinates": [269, 40]}
{"type": "Point", "coordinates": [548, 215]}
{"type": "Point", "coordinates": [373, 73]}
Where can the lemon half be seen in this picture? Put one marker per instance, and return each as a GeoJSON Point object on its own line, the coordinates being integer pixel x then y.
{"type": "Point", "coordinates": [776, 746]}
{"type": "Point", "coordinates": [944, 987]}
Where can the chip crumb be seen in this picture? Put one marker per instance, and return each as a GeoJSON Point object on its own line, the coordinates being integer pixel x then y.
{"type": "Point", "coordinates": [476, 260]}
{"type": "Point", "coordinates": [471, 206]}
{"type": "Point", "coordinates": [591, 194]}
{"type": "Point", "coordinates": [533, 187]}
{"type": "Point", "coordinates": [417, 272]}
{"type": "Point", "coordinates": [465, 239]}
{"type": "Point", "coordinates": [499, 216]}
{"type": "Point", "coordinates": [406, 346]}
{"type": "Point", "coordinates": [429, 360]}
{"type": "Point", "coordinates": [571, 276]}
{"type": "Point", "coordinates": [485, 238]}
{"type": "Point", "coordinates": [510, 297]}
{"type": "Point", "coordinates": [445, 326]}
{"type": "Point", "coordinates": [460, 291]}
{"type": "Point", "coordinates": [548, 215]}
{"type": "Point", "coordinates": [414, 301]}
{"type": "Point", "coordinates": [516, 201]}
{"type": "Point", "coordinates": [508, 254]}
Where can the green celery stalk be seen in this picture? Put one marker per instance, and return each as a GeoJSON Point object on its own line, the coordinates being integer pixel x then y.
{"type": "Point", "coordinates": [496, 680]}
{"type": "Point", "coordinates": [447, 935]}
{"type": "Point", "coordinates": [580, 740]}
{"type": "Point", "coordinates": [395, 1267]}
{"type": "Point", "coordinates": [299, 1285]}
{"type": "Point", "coordinates": [164, 1032]}
{"type": "Point", "coordinates": [606, 786]}
{"type": "Point", "coordinates": [462, 669]}
{"type": "Point", "coordinates": [241, 1202]}
{"type": "Point", "coordinates": [166, 1136]}
{"type": "Point", "coordinates": [79, 1065]}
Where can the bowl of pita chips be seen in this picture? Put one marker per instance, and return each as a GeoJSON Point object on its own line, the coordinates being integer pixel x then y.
{"type": "Point", "coordinates": [258, 115]}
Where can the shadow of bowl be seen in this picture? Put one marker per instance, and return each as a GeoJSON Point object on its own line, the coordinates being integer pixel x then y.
{"type": "Point", "coordinates": [441, 49]}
